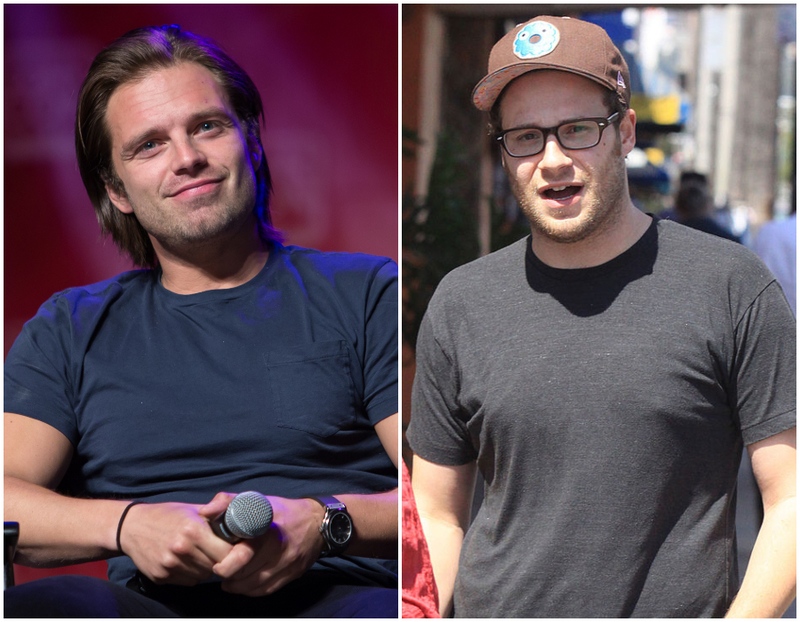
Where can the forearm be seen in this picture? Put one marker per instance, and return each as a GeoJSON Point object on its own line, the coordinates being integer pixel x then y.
{"type": "Point", "coordinates": [444, 541]}
{"type": "Point", "coordinates": [374, 523]}
{"type": "Point", "coordinates": [444, 502]}
{"type": "Point", "coordinates": [770, 583]}
{"type": "Point", "coordinates": [56, 530]}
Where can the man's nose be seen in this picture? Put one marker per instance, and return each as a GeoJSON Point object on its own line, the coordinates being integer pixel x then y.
{"type": "Point", "coordinates": [554, 156]}
{"type": "Point", "coordinates": [187, 155]}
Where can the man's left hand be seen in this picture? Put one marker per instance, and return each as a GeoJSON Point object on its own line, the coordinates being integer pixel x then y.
{"type": "Point", "coordinates": [265, 564]}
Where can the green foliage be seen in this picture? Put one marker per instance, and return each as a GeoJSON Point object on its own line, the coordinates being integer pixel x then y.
{"type": "Point", "coordinates": [507, 228]}
{"type": "Point", "coordinates": [440, 233]}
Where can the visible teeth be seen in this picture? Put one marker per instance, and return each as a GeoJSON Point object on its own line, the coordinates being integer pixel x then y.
{"type": "Point", "coordinates": [559, 188]}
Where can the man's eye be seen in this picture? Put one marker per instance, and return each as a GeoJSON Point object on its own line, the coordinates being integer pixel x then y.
{"type": "Point", "coordinates": [148, 146]}
{"type": "Point", "coordinates": [207, 126]}
{"type": "Point", "coordinates": [528, 137]}
{"type": "Point", "coordinates": [576, 128]}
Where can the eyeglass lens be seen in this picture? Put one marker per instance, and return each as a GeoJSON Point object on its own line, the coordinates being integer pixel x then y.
{"type": "Point", "coordinates": [574, 135]}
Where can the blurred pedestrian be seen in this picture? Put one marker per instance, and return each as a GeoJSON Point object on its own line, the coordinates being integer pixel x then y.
{"type": "Point", "coordinates": [776, 244]}
{"type": "Point", "coordinates": [694, 206]}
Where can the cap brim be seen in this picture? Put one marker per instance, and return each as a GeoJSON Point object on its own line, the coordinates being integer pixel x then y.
{"type": "Point", "coordinates": [486, 92]}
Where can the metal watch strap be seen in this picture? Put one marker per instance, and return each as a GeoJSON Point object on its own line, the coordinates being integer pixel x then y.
{"type": "Point", "coordinates": [326, 501]}
{"type": "Point", "coordinates": [330, 504]}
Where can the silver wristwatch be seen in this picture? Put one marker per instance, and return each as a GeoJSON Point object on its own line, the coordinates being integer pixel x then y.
{"type": "Point", "coordinates": [336, 527]}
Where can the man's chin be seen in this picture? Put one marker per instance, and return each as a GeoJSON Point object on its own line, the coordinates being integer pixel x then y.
{"type": "Point", "coordinates": [570, 236]}
{"type": "Point", "coordinates": [565, 226]}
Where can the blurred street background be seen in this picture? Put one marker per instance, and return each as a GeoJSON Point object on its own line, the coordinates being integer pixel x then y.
{"type": "Point", "coordinates": [714, 92]}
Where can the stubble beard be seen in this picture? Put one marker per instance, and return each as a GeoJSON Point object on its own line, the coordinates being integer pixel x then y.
{"type": "Point", "coordinates": [206, 219]}
{"type": "Point", "coordinates": [602, 204]}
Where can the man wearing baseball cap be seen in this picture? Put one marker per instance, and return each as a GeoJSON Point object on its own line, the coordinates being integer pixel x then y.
{"type": "Point", "coordinates": [603, 375]}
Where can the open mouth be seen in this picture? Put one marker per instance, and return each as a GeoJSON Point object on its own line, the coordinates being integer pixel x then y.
{"type": "Point", "coordinates": [561, 193]}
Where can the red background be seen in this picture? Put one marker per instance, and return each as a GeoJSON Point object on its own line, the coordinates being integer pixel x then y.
{"type": "Point", "coordinates": [328, 79]}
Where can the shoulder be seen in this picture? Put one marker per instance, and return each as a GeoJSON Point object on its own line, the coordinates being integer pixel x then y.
{"type": "Point", "coordinates": [337, 264]}
{"type": "Point", "coordinates": [486, 275]}
{"type": "Point", "coordinates": [66, 323]}
{"type": "Point", "coordinates": [479, 292]}
{"type": "Point", "coordinates": [74, 313]}
{"type": "Point", "coordinates": [356, 281]}
{"type": "Point", "coordinates": [76, 305]}
{"type": "Point", "coordinates": [717, 265]}
{"type": "Point", "coordinates": [711, 251]}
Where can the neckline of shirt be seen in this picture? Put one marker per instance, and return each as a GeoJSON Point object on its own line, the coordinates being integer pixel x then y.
{"type": "Point", "coordinates": [584, 274]}
{"type": "Point", "coordinates": [215, 295]}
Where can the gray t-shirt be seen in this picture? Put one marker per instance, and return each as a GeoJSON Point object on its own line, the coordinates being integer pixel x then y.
{"type": "Point", "coordinates": [607, 410]}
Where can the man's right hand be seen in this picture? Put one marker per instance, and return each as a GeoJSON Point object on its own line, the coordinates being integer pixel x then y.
{"type": "Point", "coordinates": [171, 542]}
{"type": "Point", "coordinates": [168, 542]}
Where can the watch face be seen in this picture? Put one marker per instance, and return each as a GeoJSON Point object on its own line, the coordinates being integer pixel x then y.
{"type": "Point", "coordinates": [340, 527]}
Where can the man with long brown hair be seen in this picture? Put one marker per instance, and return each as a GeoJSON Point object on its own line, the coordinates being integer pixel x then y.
{"type": "Point", "coordinates": [137, 408]}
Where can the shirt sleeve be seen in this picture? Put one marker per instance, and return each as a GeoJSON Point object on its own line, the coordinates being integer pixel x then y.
{"type": "Point", "coordinates": [380, 363]}
{"type": "Point", "coordinates": [763, 374]}
{"type": "Point", "coordinates": [438, 430]}
{"type": "Point", "coordinates": [36, 374]}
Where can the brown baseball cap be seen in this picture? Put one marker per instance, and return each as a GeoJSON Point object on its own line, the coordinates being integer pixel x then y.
{"type": "Point", "coordinates": [558, 43]}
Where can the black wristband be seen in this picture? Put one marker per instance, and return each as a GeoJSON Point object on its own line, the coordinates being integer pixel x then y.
{"type": "Point", "coordinates": [122, 518]}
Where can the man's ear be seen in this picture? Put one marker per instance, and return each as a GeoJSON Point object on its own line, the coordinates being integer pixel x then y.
{"type": "Point", "coordinates": [503, 162]}
{"type": "Point", "coordinates": [256, 153]}
{"type": "Point", "coordinates": [627, 131]}
{"type": "Point", "coordinates": [118, 198]}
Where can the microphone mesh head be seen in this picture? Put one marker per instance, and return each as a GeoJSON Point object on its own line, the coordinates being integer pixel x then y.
{"type": "Point", "coordinates": [249, 515]}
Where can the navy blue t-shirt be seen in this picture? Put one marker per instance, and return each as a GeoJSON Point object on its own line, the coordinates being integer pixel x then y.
{"type": "Point", "coordinates": [273, 386]}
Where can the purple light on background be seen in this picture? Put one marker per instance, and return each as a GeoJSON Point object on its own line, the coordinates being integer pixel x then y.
{"type": "Point", "coordinates": [328, 79]}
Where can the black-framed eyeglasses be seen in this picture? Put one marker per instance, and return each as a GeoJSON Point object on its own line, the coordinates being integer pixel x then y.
{"type": "Point", "coordinates": [521, 142]}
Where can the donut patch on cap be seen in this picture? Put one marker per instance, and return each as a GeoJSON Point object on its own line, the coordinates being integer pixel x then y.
{"type": "Point", "coordinates": [535, 40]}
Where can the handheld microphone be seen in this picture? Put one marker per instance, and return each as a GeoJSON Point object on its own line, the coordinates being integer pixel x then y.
{"type": "Point", "coordinates": [249, 515]}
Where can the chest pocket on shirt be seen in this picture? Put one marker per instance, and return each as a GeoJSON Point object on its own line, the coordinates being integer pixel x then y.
{"type": "Point", "coordinates": [312, 387]}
